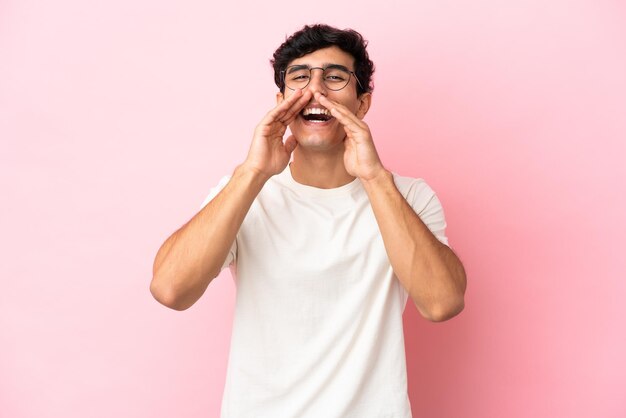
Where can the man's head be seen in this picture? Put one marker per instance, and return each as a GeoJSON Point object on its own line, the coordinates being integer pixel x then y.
{"type": "Point", "coordinates": [327, 61]}
{"type": "Point", "coordinates": [311, 38]}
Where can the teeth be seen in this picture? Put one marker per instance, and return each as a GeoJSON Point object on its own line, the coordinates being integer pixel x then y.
{"type": "Point", "coordinates": [315, 111]}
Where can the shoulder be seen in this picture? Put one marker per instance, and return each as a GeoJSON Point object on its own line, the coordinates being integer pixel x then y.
{"type": "Point", "coordinates": [425, 203]}
{"type": "Point", "coordinates": [415, 190]}
{"type": "Point", "coordinates": [406, 184]}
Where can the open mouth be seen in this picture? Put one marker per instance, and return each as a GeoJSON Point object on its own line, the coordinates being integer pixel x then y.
{"type": "Point", "coordinates": [316, 114]}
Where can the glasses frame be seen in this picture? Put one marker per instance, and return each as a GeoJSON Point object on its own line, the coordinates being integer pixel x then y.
{"type": "Point", "coordinates": [283, 74]}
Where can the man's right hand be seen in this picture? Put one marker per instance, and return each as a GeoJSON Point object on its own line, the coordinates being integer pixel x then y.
{"type": "Point", "coordinates": [268, 154]}
{"type": "Point", "coordinates": [193, 255]}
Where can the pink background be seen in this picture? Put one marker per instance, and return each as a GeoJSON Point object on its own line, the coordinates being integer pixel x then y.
{"type": "Point", "coordinates": [117, 117]}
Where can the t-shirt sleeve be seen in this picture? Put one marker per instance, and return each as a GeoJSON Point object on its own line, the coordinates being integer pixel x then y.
{"type": "Point", "coordinates": [232, 253]}
{"type": "Point", "coordinates": [425, 203]}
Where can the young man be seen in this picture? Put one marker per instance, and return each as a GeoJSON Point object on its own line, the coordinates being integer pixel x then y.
{"type": "Point", "coordinates": [325, 251]}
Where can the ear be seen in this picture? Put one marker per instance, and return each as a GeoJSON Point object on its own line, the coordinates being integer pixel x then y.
{"type": "Point", "coordinates": [279, 98]}
{"type": "Point", "coordinates": [365, 101]}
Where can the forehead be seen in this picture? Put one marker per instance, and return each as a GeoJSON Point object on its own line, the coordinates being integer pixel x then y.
{"type": "Point", "coordinates": [325, 56]}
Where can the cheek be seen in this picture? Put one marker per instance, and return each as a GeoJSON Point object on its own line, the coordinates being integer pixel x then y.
{"type": "Point", "coordinates": [349, 101]}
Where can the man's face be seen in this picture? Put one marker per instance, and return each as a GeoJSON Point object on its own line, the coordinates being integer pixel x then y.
{"type": "Point", "coordinates": [325, 135]}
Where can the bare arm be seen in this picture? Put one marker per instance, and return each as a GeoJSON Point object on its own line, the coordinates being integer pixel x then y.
{"type": "Point", "coordinates": [430, 272]}
{"type": "Point", "coordinates": [192, 257]}
{"type": "Point", "coordinates": [428, 269]}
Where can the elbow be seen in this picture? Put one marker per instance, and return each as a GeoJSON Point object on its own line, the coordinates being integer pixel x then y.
{"type": "Point", "coordinates": [443, 306]}
{"type": "Point", "coordinates": [177, 290]}
{"type": "Point", "coordinates": [441, 313]}
{"type": "Point", "coordinates": [167, 296]}
{"type": "Point", "coordinates": [443, 310]}
{"type": "Point", "coordinates": [452, 304]}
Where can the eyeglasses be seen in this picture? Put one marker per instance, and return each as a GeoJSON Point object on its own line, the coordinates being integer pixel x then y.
{"type": "Point", "coordinates": [334, 76]}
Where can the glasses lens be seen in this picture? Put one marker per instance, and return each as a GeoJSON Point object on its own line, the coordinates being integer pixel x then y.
{"type": "Point", "coordinates": [297, 77]}
{"type": "Point", "coordinates": [336, 78]}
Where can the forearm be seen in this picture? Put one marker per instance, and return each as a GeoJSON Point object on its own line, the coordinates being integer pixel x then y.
{"type": "Point", "coordinates": [193, 256]}
{"type": "Point", "coordinates": [429, 270]}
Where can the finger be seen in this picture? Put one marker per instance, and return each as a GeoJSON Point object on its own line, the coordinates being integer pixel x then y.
{"type": "Point", "coordinates": [279, 111]}
{"type": "Point", "coordinates": [325, 101]}
{"type": "Point", "coordinates": [350, 122]}
{"type": "Point", "coordinates": [342, 113]}
{"type": "Point", "coordinates": [332, 105]}
{"type": "Point", "coordinates": [289, 108]}
{"type": "Point", "coordinates": [294, 110]}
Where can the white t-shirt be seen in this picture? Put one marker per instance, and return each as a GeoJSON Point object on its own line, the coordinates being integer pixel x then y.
{"type": "Point", "coordinates": [318, 317]}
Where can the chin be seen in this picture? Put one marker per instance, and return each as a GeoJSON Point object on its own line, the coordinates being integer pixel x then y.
{"type": "Point", "coordinates": [317, 137]}
{"type": "Point", "coordinates": [318, 142]}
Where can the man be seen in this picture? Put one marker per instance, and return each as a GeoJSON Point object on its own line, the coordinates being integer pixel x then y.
{"type": "Point", "coordinates": [325, 250]}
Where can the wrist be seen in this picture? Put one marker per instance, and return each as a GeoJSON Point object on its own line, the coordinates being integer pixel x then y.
{"type": "Point", "coordinates": [251, 173]}
{"type": "Point", "coordinates": [383, 178]}
{"type": "Point", "coordinates": [379, 177]}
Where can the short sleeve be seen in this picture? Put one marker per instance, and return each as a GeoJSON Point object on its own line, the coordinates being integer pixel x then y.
{"type": "Point", "coordinates": [425, 203]}
{"type": "Point", "coordinates": [232, 253]}
{"type": "Point", "coordinates": [432, 215]}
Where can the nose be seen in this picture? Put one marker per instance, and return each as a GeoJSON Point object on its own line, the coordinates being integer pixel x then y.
{"type": "Point", "coordinates": [317, 81]}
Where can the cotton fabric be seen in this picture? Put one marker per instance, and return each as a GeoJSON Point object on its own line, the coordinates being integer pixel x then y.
{"type": "Point", "coordinates": [318, 317]}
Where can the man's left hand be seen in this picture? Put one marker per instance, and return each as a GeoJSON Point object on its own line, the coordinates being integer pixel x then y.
{"type": "Point", "coordinates": [360, 158]}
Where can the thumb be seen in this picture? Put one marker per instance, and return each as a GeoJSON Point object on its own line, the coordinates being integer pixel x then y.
{"type": "Point", "coordinates": [290, 144]}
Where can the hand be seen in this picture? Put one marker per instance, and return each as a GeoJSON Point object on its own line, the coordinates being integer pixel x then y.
{"type": "Point", "coordinates": [360, 158]}
{"type": "Point", "coordinates": [268, 154]}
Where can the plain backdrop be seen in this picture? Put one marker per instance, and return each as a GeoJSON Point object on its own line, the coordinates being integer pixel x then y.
{"type": "Point", "coordinates": [117, 117]}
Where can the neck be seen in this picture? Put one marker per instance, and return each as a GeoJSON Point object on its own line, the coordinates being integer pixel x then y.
{"type": "Point", "coordinates": [323, 170]}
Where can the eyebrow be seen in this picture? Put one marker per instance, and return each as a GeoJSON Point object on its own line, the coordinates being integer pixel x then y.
{"type": "Point", "coordinates": [293, 68]}
{"type": "Point", "coordinates": [297, 67]}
